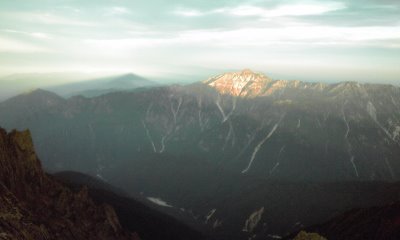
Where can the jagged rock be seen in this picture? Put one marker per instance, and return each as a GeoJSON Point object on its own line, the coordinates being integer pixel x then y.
{"type": "Point", "coordinates": [35, 206]}
{"type": "Point", "coordinates": [308, 236]}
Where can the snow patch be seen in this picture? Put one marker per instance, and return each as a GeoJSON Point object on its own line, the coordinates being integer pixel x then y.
{"type": "Point", "coordinates": [101, 177]}
{"type": "Point", "coordinates": [217, 223]}
{"type": "Point", "coordinates": [371, 110]}
{"type": "Point", "coordinates": [210, 214]}
{"type": "Point", "coordinates": [159, 202]}
{"type": "Point", "coordinates": [396, 132]}
{"type": "Point", "coordinates": [274, 236]}
{"type": "Point", "coordinates": [253, 220]}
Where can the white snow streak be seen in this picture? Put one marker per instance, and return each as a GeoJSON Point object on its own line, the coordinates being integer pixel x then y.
{"type": "Point", "coordinates": [277, 162]}
{"type": "Point", "coordinates": [274, 168]}
{"type": "Point", "coordinates": [221, 110]}
{"type": "Point", "coordinates": [274, 236]}
{"type": "Point", "coordinates": [176, 111]}
{"type": "Point", "coordinates": [253, 220]}
{"type": "Point", "coordinates": [257, 148]}
{"type": "Point", "coordinates": [346, 135]}
{"type": "Point", "coordinates": [201, 124]}
{"type": "Point", "coordinates": [233, 109]}
{"type": "Point", "coordinates": [349, 148]}
{"type": "Point", "coordinates": [372, 112]}
{"type": "Point", "coordinates": [217, 223]}
{"type": "Point", "coordinates": [354, 165]}
{"type": "Point", "coordinates": [159, 202]}
{"type": "Point", "coordinates": [229, 136]}
{"type": "Point", "coordinates": [396, 132]}
{"type": "Point", "coordinates": [299, 123]}
{"type": "Point", "coordinates": [162, 144]}
{"type": "Point", "coordinates": [210, 214]}
{"type": "Point", "coordinates": [390, 168]}
{"type": "Point", "coordinates": [149, 137]}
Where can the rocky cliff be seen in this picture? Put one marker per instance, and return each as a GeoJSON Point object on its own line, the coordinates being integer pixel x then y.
{"type": "Point", "coordinates": [35, 206]}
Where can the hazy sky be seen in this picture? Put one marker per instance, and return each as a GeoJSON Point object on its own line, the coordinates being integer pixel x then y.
{"type": "Point", "coordinates": [314, 40]}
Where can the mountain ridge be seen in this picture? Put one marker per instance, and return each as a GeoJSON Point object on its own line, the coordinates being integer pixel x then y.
{"type": "Point", "coordinates": [247, 83]}
{"type": "Point", "coordinates": [190, 143]}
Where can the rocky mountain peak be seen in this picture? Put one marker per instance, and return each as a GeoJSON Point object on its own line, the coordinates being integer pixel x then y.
{"type": "Point", "coordinates": [245, 83]}
{"type": "Point", "coordinates": [247, 71]}
{"type": "Point", "coordinates": [19, 163]}
{"type": "Point", "coordinates": [35, 206]}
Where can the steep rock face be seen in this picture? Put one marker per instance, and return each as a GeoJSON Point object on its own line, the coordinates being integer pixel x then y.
{"type": "Point", "coordinates": [34, 206]}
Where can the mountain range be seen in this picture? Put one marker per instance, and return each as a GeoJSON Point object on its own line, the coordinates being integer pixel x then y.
{"type": "Point", "coordinates": [241, 140]}
{"type": "Point", "coordinates": [99, 86]}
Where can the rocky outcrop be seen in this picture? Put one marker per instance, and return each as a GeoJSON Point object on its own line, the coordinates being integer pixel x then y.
{"type": "Point", "coordinates": [372, 223]}
{"type": "Point", "coordinates": [35, 206]}
{"type": "Point", "coordinates": [308, 236]}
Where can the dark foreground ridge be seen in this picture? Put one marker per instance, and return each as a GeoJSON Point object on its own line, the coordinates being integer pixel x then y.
{"type": "Point", "coordinates": [372, 223]}
{"type": "Point", "coordinates": [134, 216]}
{"type": "Point", "coordinates": [35, 206]}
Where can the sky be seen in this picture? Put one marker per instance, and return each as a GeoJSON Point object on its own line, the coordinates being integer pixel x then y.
{"type": "Point", "coordinates": [357, 40]}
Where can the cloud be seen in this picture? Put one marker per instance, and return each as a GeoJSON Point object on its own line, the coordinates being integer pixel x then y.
{"type": "Point", "coordinates": [189, 12]}
{"type": "Point", "coordinates": [295, 9]}
{"type": "Point", "coordinates": [263, 38]}
{"type": "Point", "coordinates": [38, 35]}
{"type": "Point", "coordinates": [287, 10]}
{"type": "Point", "coordinates": [46, 18]}
{"type": "Point", "coordinates": [17, 46]}
{"type": "Point", "coordinates": [117, 10]}
{"type": "Point", "coordinates": [297, 35]}
{"type": "Point", "coordinates": [107, 34]}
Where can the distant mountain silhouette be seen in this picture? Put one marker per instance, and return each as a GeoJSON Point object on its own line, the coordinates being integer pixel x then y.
{"type": "Point", "coordinates": [96, 87]}
{"type": "Point", "coordinates": [15, 84]}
